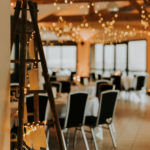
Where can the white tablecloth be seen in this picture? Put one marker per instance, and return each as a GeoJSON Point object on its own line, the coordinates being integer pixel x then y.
{"type": "Point", "coordinates": [128, 82]}
{"type": "Point", "coordinates": [89, 88]}
{"type": "Point", "coordinates": [61, 106]}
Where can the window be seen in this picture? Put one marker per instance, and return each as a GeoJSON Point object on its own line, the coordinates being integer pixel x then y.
{"type": "Point", "coordinates": [99, 56]}
{"type": "Point", "coordinates": [137, 55]}
{"type": "Point", "coordinates": [60, 57]}
{"type": "Point", "coordinates": [109, 57]}
{"type": "Point", "coordinates": [115, 57]}
{"type": "Point", "coordinates": [121, 57]}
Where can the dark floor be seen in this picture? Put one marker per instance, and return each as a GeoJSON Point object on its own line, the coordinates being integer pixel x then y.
{"type": "Point", "coordinates": [132, 125]}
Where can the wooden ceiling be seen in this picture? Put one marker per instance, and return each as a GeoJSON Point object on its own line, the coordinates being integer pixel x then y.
{"type": "Point", "coordinates": [126, 12]}
{"type": "Point", "coordinates": [129, 12]}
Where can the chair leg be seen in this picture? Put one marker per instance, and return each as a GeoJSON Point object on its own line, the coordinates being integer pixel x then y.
{"type": "Point", "coordinates": [112, 135]}
{"type": "Point", "coordinates": [68, 134]}
{"type": "Point", "coordinates": [94, 138]}
{"type": "Point", "coordinates": [84, 138]}
{"type": "Point", "coordinates": [63, 138]}
{"type": "Point", "coordinates": [75, 137]}
{"type": "Point", "coordinates": [47, 139]}
{"type": "Point", "coordinates": [113, 128]}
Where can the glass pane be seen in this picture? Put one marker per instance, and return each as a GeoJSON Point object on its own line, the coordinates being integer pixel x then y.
{"type": "Point", "coordinates": [60, 57]}
{"type": "Point", "coordinates": [99, 56]}
{"type": "Point", "coordinates": [53, 56]}
{"type": "Point", "coordinates": [69, 57]}
{"type": "Point", "coordinates": [109, 57]}
{"type": "Point", "coordinates": [121, 57]}
{"type": "Point", "coordinates": [137, 55]}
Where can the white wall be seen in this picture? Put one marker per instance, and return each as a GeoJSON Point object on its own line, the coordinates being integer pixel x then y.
{"type": "Point", "coordinates": [4, 74]}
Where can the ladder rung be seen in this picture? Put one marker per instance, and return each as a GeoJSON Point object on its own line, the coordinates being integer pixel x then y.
{"type": "Point", "coordinates": [36, 91]}
{"type": "Point", "coordinates": [27, 61]}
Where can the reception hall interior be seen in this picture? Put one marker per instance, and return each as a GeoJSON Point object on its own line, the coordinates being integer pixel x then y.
{"type": "Point", "coordinates": [75, 75]}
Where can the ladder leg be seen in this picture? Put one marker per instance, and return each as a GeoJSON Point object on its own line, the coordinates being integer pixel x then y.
{"type": "Point", "coordinates": [22, 74]}
{"type": "Point", "coordinates": [46, 76]}
{"type": "Point", "coordinates": [16, 17]}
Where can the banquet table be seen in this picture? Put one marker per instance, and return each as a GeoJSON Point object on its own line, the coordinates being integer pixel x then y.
{"type": "Point", "coordinates": [90, 88]}
{"type": "Point", "coordinates": [128, 82]}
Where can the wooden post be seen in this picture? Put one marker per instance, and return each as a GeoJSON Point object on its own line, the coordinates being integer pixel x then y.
{"type": "Point", "coordinates": [17, 58]}
{"type": "Point", "coordinates": [22, 74]}
{"type": "Point", "coordinates": [46, 76]}
{"type": "Point", "coordinates": [36, 97]}
{"type": "Point", "coordinates": [16, 18]}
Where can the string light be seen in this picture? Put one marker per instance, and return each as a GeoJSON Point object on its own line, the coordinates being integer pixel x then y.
{"type": "Point", "coordinates": [110, 34]}
{"type": "Point", "coordinates": [144, 18]}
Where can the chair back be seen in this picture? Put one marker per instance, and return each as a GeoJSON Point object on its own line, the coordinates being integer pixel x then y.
{"type": "Point", "coordinates": [30, 107]}
{"type": "Point", "coordinates": [76, 109]}
{"type": "Point", "coordinates": [99, 76]}
{"type": "Point", "coordinates": [107, 107]}
{"type": "Point", "coordinates": [43, 100]}
{"type": "Point", "coordinates": [57, 85]}
{"type": "Point", "coordinates": [104, 87]}
{"type": "Point", "coordinates": [92, 76]}
{"type": "Point", "coordinates": [98, 84]}
{"type": "Point", "coordinates": [140, 82]}
{"type": "Point", "coordinates": [71, 75]}
{"type": "Point", "coordinates": [117, 81]}
{"type": "Point", "coordinates": [66, 86]}
{"type": "Point", "coordinates": [53, 73]}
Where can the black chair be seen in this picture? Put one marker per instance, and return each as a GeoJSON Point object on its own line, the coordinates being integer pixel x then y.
{"type": "Point", "coordinates": [140, 87]}
{"type": "Point", "coordinates": [140, 82]}
{"type": "Point", "coordinates": [66, 86]}
{"type": "Point", "coordinates": [117, 81]}
{"type": "Point", "coordinates": [71, 75]}
{"type": "Point", "coordinates": [92, 76]}
{"type": "Point", "coordinates": [43, 100]}
{"type": "Point", "coordinates": [104, 87]}
{"type": "Point", "coordinates": [57, 85]}
{"type": "Point", "coordinates": [105, 114]}
{"type": "Point", "coordinates": [99, 76]}
{"type": "Point", "coordinates": [98, 84]}
{"type": "Point", "coordinates": [53, 73]}
{"type": "Point", "coordinates": [75, 116]}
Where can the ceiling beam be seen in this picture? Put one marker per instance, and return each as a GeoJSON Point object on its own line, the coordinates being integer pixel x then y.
{"type": "Point", "coordinates": [107, 16]}
{"type": "Point", "coordinates": [135, 5]}
{"type": "Point", "coordinates": [74, 1]}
